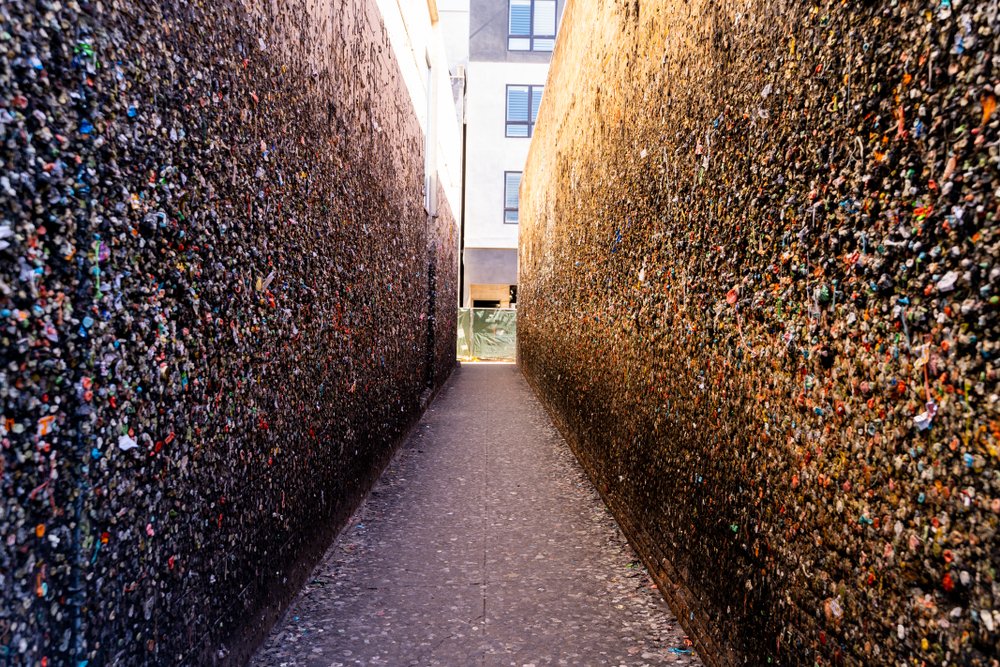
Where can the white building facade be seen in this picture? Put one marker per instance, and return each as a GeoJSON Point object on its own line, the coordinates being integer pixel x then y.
{"type": "Point", "coordinates": [509, 44]}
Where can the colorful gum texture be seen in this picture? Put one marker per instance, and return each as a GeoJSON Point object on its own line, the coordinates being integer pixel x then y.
{"type": "Point", "coordinates": [218, 311]}
{"type": "Point", "coordinates": [759, 291]}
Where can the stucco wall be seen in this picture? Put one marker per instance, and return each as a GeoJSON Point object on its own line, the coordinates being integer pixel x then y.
{"type": "Point", "coordinates": [758, 292]}
{"type": "Point", "coordinates": [489, 152]}
{"type": "Point", "coordinates": [216, 290]}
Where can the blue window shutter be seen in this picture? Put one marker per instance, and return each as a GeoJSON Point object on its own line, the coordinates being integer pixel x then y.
{"type": "Point", "coordinates": [517, 103]}
{"type": "Point", "coordinates": [512, 186]}
{"type": "Point", "coordinates": [536, 100]}
{"type": "Point", "coordinates": [520, 18]}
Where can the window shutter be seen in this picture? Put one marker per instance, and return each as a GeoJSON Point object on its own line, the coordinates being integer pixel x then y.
{"type": "Point", "coordinates": [545, 18]}
{"type": "Point", "coordinates": [517, 103]}
{"type": "Point", "coordinates": [512, 186]}
{"type": "Point", "coordinates": [536, 100]}
{"type": "Point", "coordinates": [520, 18]}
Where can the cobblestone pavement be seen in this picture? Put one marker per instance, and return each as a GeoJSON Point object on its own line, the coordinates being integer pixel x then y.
{"type": "Point", "coordinates": [482, 544]}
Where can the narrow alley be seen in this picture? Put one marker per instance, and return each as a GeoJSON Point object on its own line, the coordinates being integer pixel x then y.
{"type": "Point", "coordinates": [482, 544]}
{"type": "Point", "coordinates": [743, 257]}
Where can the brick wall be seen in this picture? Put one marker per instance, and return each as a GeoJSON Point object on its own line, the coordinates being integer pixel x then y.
{"type": "Point", "coordinates": [217, 314]}
{"type": "Point", "coordinates": [759, 295]}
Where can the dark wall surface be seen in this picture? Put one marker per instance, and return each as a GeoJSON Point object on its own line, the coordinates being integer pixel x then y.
{"type": "Point", "coordinates": [759, 292]}
{"type": "Point", "coordinates": [221, 303]}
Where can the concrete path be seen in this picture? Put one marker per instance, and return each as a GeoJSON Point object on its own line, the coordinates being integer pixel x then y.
{"type": "Point", "coordinates": [482, 544]}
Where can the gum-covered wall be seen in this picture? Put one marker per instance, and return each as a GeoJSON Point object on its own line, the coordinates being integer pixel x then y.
{"type": "Point", "coordinates": [759, 291]}
{"type": "Point", "coordinates": [221, 304]}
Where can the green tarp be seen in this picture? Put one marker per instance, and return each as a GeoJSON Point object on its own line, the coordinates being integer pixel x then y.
{"type": "Point", "coordinates": [487, 333]}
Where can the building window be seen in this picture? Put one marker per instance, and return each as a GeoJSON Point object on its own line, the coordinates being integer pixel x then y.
{"type": "Point", "coordinates": [531, 25]}
{"type": "Point", "coordinates": [522, 109]}
{"type": "Point", "coordinates": [511, 196]}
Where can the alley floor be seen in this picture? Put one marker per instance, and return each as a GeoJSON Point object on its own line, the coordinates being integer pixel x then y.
{"type": "Point", "coordinates": [482, 544]}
